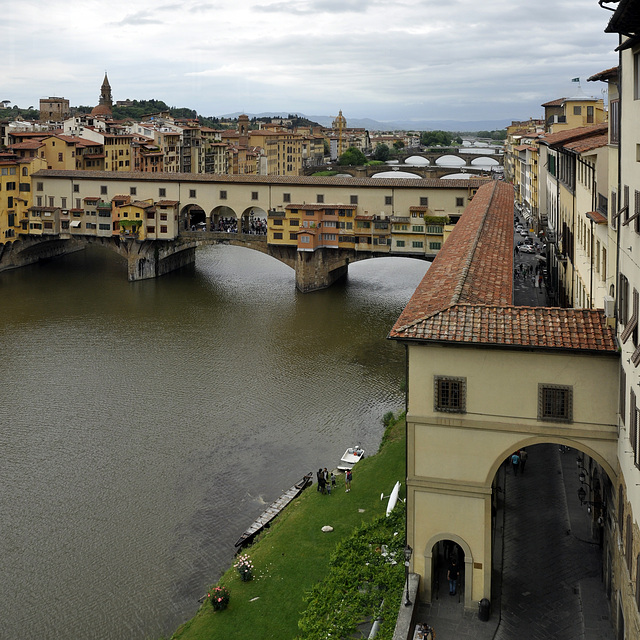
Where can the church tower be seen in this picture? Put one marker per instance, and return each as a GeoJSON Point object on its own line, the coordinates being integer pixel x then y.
{"type": "Point", "coordinates": [106, 102]}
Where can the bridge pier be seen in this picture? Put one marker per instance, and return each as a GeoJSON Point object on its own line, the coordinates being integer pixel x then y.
{"type": "Point", "coordinates": [319, 269]}
{"type": "Point", "coordinates": [156, 258]}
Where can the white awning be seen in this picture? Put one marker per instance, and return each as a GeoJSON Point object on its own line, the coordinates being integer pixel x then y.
{"type": "Point", "coordinates": [76, 223]}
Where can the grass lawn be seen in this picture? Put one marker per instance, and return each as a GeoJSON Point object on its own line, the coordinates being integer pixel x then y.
{"type": "Point", "coordinates": [293, 554]}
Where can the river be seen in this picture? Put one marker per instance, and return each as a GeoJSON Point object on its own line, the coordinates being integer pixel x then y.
{"type": "Point", "coordinates": [145, 425]}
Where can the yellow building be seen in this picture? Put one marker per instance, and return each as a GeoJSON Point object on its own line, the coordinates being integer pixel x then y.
{"type": "Point", "coordinates": [282, 150]}
{"type": "Point", "coordinates": [15, 194]}
{"type": "Point", "coordinates": [481, 376]}
{"type": "Point", "coordinates": [117, 148]}
{"type": "Point", "coordinates": [570, 113]}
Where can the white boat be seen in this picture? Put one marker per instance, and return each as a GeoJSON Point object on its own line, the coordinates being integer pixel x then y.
{"type": "Point", "coordinates": [350, 457]}
{"type": "Point", "coordinates": [393, 498]}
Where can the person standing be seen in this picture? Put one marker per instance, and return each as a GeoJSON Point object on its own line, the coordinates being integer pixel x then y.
{"type": "Point", "coordinates": [321, 482]}
{"type": "Point", "coordinates": [452, 576]}
{"type": "Point", "coordinates": [347, 480]}
{"type": "Point", "coordinates": [515, 462]}
{"type": "Point", "coordinates": [523, 459]}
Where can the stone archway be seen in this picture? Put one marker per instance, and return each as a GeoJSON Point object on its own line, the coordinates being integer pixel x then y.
{"type": "Point", "coordinates": [193, 217]}
{"type": "Point", "coordinates": [253, 221]}
{"type": "Point", "coordinates": [432, 563]}
{"type": "Point", "coordinates": [223, 218]}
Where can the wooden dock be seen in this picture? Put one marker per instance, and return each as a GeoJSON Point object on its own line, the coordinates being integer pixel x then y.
{"type": "Point", "coordinates": [273, 510]}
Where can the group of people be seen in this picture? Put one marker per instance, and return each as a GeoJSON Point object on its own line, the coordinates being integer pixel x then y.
{"type": "Point", "coordinates": [519, 461]}
{"type": "Point", "coordinates": [255, 226]}
{"type": "Point", "coordinates": [327, 480]}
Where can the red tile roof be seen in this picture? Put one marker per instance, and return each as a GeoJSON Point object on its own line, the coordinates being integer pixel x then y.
{"type": "Point", "coordinates": [571, 135]}
{"type": "Point", "coordinates": [607, 74]}
{"type": "Point", "coordinates": [588, 144]}
{"type": "Point", "coordinates": [466, 295]}
{"type": "Point", "coordinates": [597, 217]}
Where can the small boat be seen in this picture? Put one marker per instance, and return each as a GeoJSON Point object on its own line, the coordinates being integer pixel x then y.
{"type": "Point", "coordinates": [350, 457]}
{"type": "Point", "coordinates": [393, 498]}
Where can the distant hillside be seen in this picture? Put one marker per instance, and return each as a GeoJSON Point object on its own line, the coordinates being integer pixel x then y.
{"type": "Point", "coordinates": [405, 125]}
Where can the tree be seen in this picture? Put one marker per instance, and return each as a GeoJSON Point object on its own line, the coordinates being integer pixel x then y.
{"type": "Point", "coordinates": [352, 157]}
{"type": "Point", "coordinates": [381, 152]}
{"type": "Point", "coordinates": [398, 144]}
{"type": "Point", "coordinates": [432, 138]}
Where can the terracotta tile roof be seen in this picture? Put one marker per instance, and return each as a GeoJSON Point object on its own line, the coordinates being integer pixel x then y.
{"type": "Point", "coordinates": [466, 295]}
{"type": "Point", "coordinates": [528, 327]}
{"type": "Point", "coordinates": [607, 74]}
{"type": "Point", "coordinates": [588, 144]}
{"type": "Point", "coordinates": [27, 144]}
{"type": "Point", "coordinates": [597, 217]}
{"type": "Point", "coordinates": [570, 135]}
{"type": "Point", "coordinates": [554, 103]}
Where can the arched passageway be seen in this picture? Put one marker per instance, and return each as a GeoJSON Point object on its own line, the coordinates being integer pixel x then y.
{"type": "Point", "coordinates": [254, 221]}
{"type": "Point", "coordinates": [193, 218]}
{"type": "Point", "coordinates": [550, 542]}
{"type": "Point", "coordinates": [224, 219]}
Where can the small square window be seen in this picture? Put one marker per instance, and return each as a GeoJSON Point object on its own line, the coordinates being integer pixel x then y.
{"type": "Point", "coordinates": [223, 195]}
{"type": "Point", "coordinates": [76, 188]}
{"type": "Point", "coordinates": [555, 403]}
{"type": "Point", "coordinates": [353, 200]}
{"type": "Point", "coordinates": [286, 197]}
{"type": "Point", "coordinates": [388, 199]}
{"type": "Point", "coordinates": [162, 193]}
{"type": "Point", "coordinates": [320, 198]}
{"type": "Point", "coordinates": [459, 202]}
{"type": "Point", "coordinates": [450, 394]}
{"type": "Point", "coordinates": [424, 202]}
{"type": "Point", "coordinates": [133, 191]}
{"type": "Point", "coordinates": [103, 190]}
{"type": "Point", "coordinates": [192, 193]}
{"type": "Point", "coordinates": [254, 195]}
{"type": "Point", "coordinates": [40, 186]}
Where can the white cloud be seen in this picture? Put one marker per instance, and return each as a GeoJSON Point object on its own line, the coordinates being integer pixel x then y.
{"type": "Point", "coordinates": [458, 59]}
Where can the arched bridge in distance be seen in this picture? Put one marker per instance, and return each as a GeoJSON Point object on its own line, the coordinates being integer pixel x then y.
{"type": "Point", "coordinates": [464, 160]}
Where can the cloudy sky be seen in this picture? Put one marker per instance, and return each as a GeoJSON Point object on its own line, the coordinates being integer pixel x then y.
{"type": "Point", "coordinates": [381, 59]}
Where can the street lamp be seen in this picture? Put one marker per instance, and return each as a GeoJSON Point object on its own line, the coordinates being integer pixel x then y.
{"type": "Point", "coordinates": [407, 559]}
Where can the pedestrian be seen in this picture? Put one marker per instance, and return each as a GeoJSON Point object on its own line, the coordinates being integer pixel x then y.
{"type": "Point", "coordinates": [452, 576]}
{"type": "Point", "coordinates": [333, 479]}
{"type": "Point", "coordinates": [523, 459]}
{"type": "Point", "coordinates": [515, 462]}
{"type": "Point", "coordinates": [347, 480]}
{"type": "Point", "coordinates": [321, 482]}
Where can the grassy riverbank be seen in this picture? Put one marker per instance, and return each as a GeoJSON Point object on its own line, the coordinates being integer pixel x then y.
{"type": "Point", "coordinates": [293, 554]}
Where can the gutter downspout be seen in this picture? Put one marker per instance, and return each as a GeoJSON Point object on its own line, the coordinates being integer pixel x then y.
{"type": "Point", "coordinates": [620, 205]}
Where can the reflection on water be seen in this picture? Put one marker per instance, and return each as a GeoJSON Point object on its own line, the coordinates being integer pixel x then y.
{"type": "Point", "coordinates": [146, 424]}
